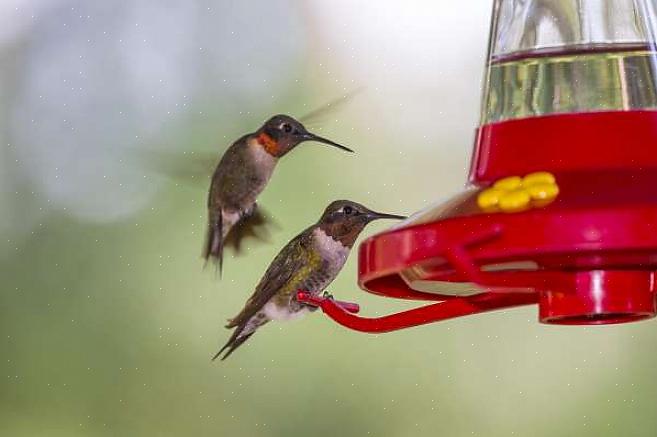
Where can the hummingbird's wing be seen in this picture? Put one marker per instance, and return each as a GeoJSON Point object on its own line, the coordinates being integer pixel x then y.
{"type": "Point", "coordinates": [256, 224]}
{"type": "Point", "coordinates": [226, 194]}
{"type": "Point", "coordinates": [186, 166]}
{"type": "Point", "coordinates": [285, 274]}
{"type": "Point", "coordinates": [317, 114]}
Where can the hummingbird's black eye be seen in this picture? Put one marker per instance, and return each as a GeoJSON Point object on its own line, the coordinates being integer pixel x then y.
{"type": "Point", "coordinates": [287, 127]}
{"type": "Point", "coordinates": [347, 210]}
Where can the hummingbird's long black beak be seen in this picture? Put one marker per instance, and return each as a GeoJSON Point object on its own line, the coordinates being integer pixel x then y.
{"type": "Point", "coordinates": [372, 215]}
{"type": "Point", "coordinates": [307, 136]}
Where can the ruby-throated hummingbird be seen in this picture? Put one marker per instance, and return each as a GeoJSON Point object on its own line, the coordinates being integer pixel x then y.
{"type": "Point", "coordinates": [243, 173]}
{"type": "Point", "coordinates": [309, 262]}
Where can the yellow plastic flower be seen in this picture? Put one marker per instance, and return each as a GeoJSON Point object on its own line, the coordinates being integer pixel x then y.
{"type": "Point", "coordinates": [515, 193]}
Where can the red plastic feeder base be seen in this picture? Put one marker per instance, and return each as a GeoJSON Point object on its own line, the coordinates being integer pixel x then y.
{"type": "Point", "coordinates": [601, 297]}
{"type": "Point", "coordinates": [587, 258]}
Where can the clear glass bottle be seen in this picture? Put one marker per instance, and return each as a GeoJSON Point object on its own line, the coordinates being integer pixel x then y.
{"type": "Point", "coordinates": [563, 78]}
{"type": "Point", "coordinates": [566, 56]}
{"type": "Point", "coordinates": [570, 91]}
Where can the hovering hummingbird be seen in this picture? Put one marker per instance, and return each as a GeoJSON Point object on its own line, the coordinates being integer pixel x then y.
{"type": "Point", "coordinates": [242, 174]}
{"type": "Point", "coordinates": [309, 262]}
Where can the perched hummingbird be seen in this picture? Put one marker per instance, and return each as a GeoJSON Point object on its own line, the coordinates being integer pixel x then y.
{"type": "Point", "coordinates": [309, 262]}
{"type": "Point", "coordinates": [243, 173]}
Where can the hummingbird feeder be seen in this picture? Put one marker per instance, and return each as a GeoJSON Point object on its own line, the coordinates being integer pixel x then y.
{"type": "Point", "coordinates": [561, 206]}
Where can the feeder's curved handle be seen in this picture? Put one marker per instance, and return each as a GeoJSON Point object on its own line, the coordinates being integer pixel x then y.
{"type": "Point", "coordinates": [436, 312]}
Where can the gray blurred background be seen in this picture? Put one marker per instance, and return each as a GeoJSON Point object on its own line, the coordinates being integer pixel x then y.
{"type": "Point", "coordinates": [107, 319]}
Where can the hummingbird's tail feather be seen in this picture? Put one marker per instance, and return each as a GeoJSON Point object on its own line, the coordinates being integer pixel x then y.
{"type": "Point", "coordinates": [242, 333]}
{"type": "Point", "coordinates": [231, 345]}
{"type": "Point", "coordinates": [214, 244]}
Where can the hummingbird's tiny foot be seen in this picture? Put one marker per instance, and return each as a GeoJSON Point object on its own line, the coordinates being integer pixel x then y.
{"type": "Point", "coordinates": [327, 295]}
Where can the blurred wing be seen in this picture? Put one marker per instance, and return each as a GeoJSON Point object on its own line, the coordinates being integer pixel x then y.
{"type": "Point", "coordinates": [285, 274]}
{"type": "Point", "coordinates": [185, 166]}
{"type": "Point", "coordinates": [257, 225]}
{"type": "Point", "coordinates": [327, 108]}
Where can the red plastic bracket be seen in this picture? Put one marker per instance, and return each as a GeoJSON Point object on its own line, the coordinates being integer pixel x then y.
{"type": "Point", "coordinates": [311, 299]}
{"type": "Point", "coordinates": [418, 316]}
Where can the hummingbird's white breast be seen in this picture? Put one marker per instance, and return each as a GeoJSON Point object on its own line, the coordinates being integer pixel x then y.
{"type": "Point", "coordinates": [263, 160]}
{"type": "Point", "coordinates": [331, 251]}
{"type": "Point", "coordinates": [282, 313]}
{"type": "Point", "coordinates": [229, 218]}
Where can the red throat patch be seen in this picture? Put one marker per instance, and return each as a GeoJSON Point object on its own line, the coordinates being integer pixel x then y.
{"type": "Point", "coordinates": [268, 143]}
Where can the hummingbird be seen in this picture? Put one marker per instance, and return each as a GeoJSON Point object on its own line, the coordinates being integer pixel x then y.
{"type": "Point", "coordinates": [309, 262]}
{"type": "Point", "coordinates": [242, 174]}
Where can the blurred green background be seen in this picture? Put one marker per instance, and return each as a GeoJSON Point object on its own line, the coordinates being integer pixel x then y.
{"type": "Point", "coordinates": [108, 320]}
